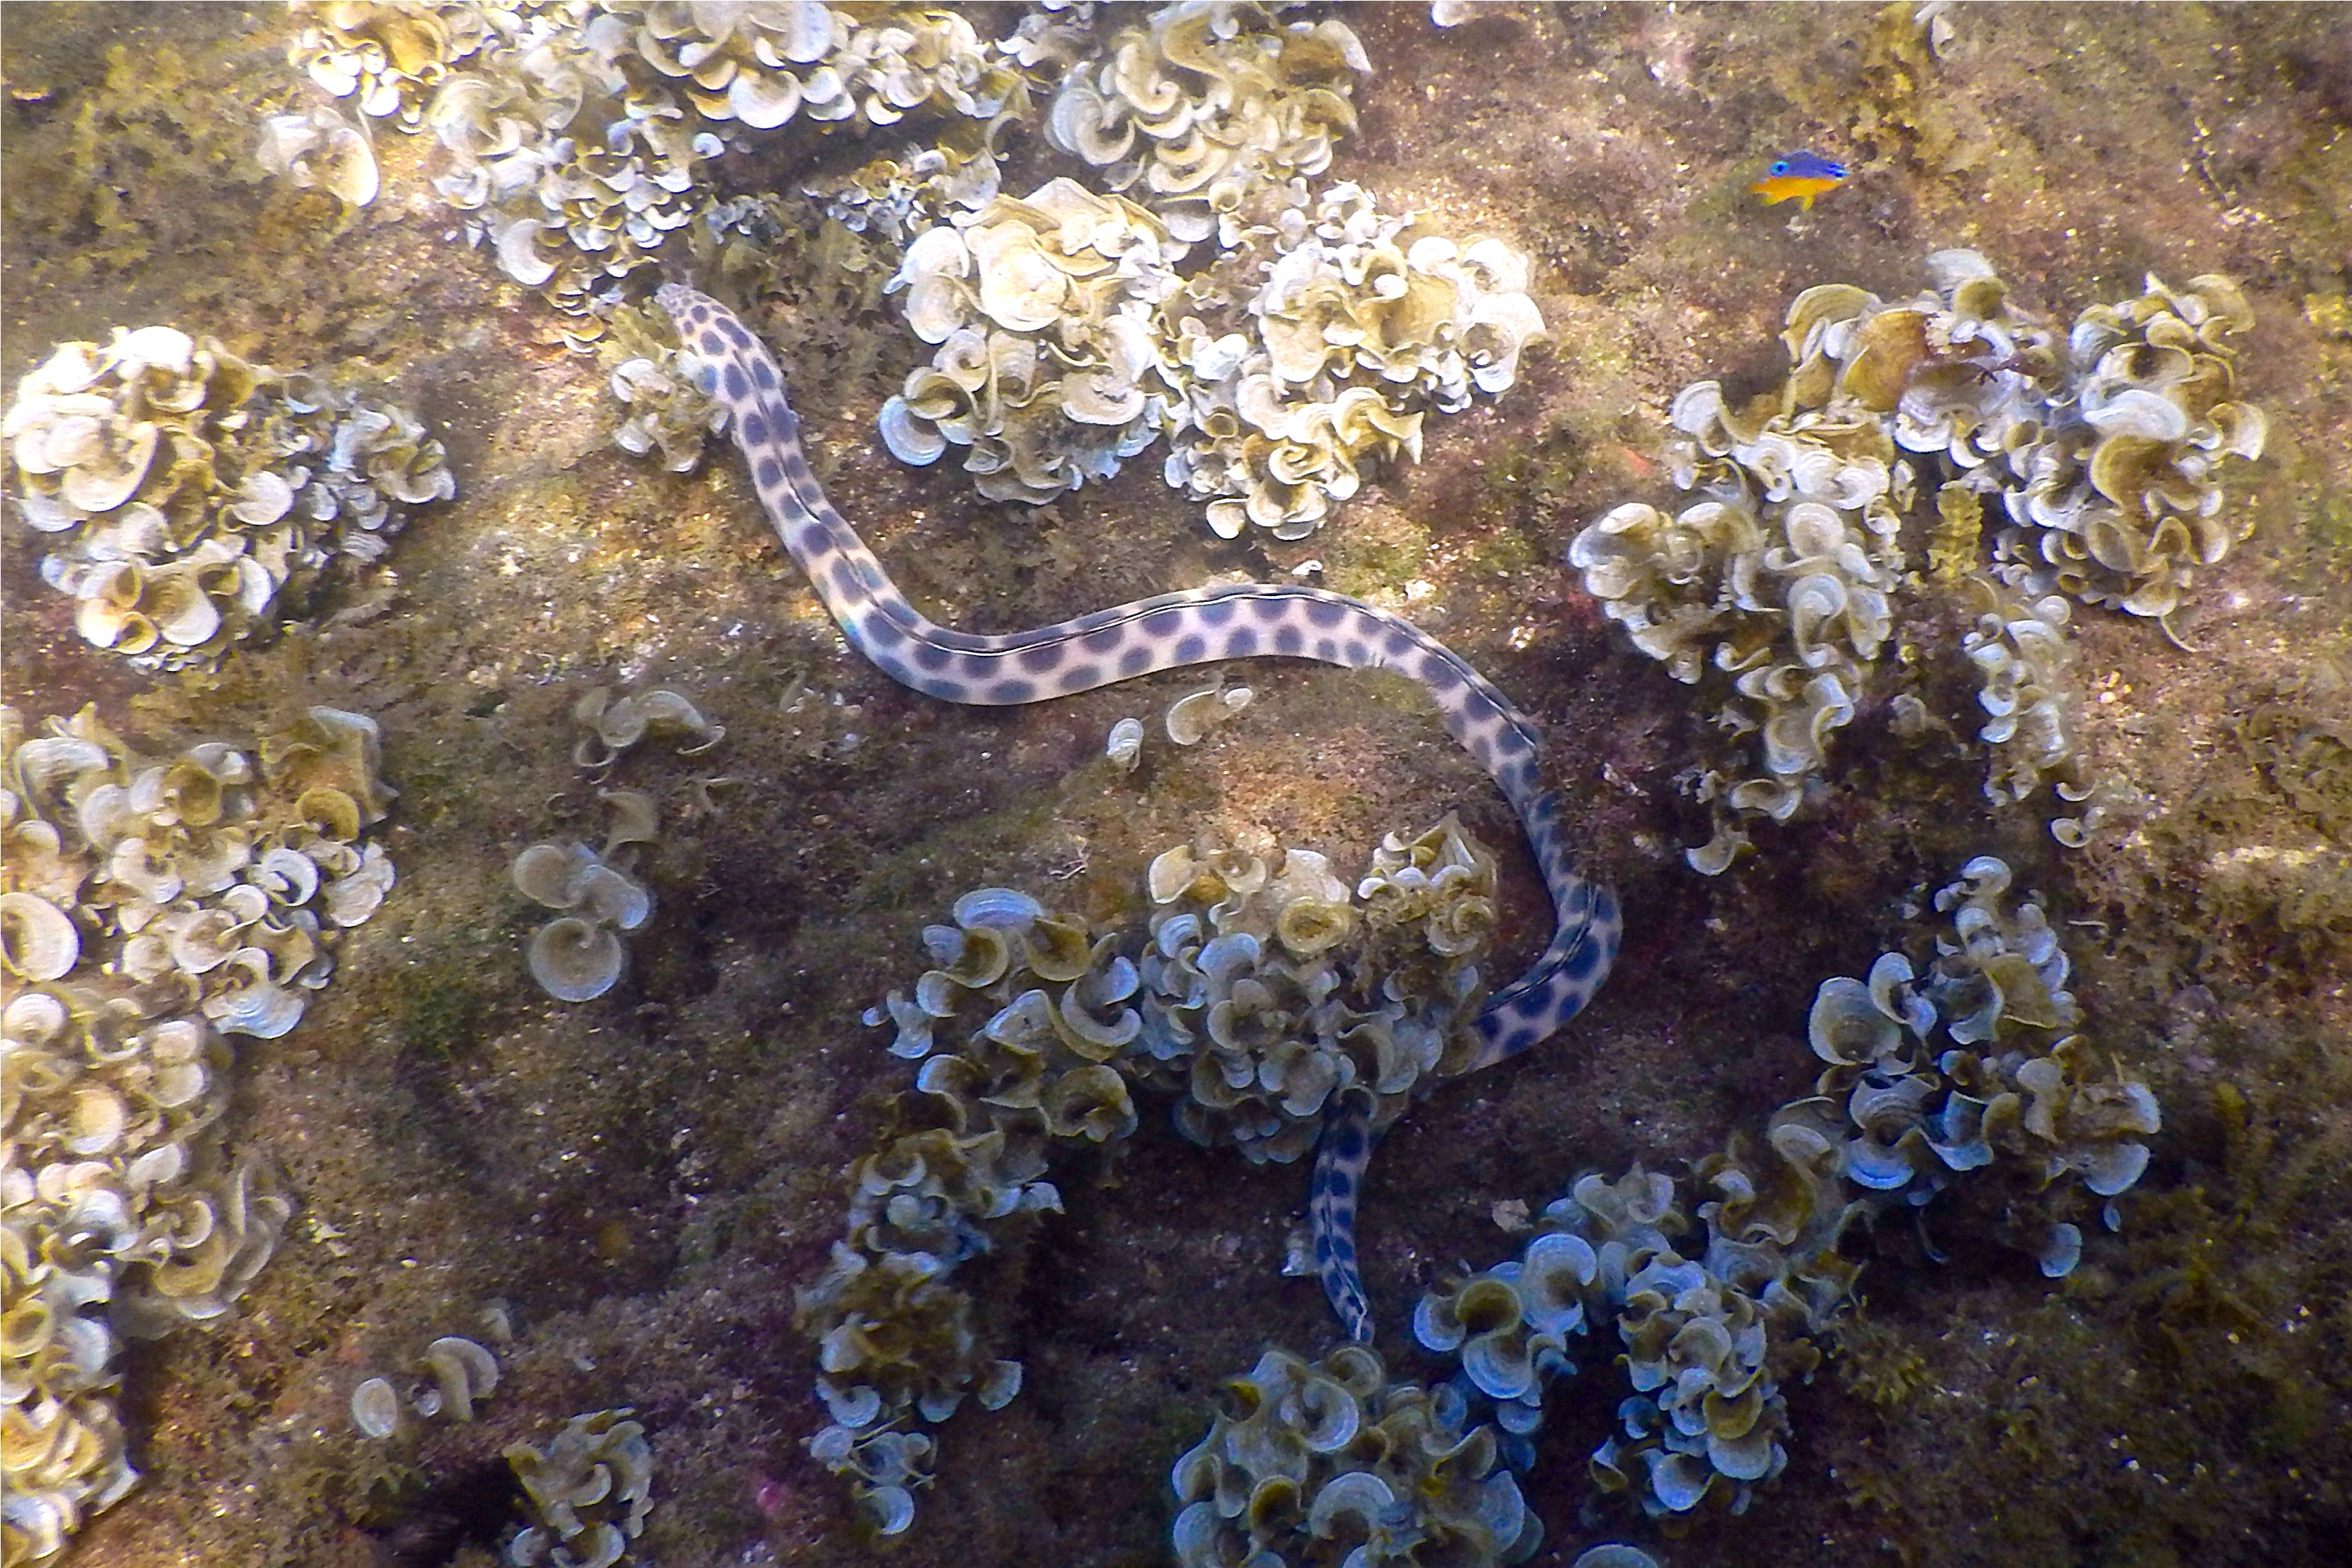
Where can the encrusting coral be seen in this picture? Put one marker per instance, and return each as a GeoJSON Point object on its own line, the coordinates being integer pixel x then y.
{"type": "Point", "coordinates": [1263, 987]}
{"type": "Point", "coordinates": [192, 494]}
{"type": "Point", "coordinates": [152, 907]}
{"type": "Point", "coordinates": [1780, 586]}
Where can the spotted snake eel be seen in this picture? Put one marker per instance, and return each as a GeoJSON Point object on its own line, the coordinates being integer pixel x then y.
{"type": "Point", "coordinates": [1232, 621]}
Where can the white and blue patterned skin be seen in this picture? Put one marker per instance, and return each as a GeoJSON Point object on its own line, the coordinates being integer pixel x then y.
{"type": "Point", "coordinates": [1201, 626]}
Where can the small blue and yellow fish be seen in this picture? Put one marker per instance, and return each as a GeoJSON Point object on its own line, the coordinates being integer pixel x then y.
{"type": "Point", "coordinates": [1803, 175]}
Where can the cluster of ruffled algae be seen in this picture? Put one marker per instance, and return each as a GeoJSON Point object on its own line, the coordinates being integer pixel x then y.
{"type": "Point", "coordinates": [192, 494]}
{"type": "Point", "coordinates": [579, 955]}
{"type": "Point", "coordinates": [1279, 337]}
{"type": "Point", "coordinates": [1779, 586]}
{"type": "Point", "coordinates": [1718, 1287]}
{"type": "Point", "coordinates": [576, 134]}
{"type": "Point", "coordinates": [1330, 1457]}
{"type": "Point", "coordinates": [150, 907]}
{"type": "Point", "coordinates": [1263, 989]}
{"type": "Point", "coordinates": [589, 1490]}
{"type": "Point", "coordinates": [1317, 338]}
{"type": "Point", "coordinates": [1075, 327]}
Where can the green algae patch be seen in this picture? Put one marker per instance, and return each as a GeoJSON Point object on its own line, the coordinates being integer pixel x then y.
{"type": "Point", "coordinates": [441, 1009]}
{"type": "Point", "coordinates": [1382, 549]}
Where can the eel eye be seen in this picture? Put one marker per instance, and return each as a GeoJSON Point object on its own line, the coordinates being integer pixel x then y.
{"type": "Point", "coordinates": [1781, 167]}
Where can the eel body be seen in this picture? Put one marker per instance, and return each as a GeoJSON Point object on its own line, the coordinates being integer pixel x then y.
{"type": "Point", "coordinates": [1234, 621]}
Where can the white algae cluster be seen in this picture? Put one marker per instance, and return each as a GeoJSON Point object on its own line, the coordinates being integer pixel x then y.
{"type": "Point", "coordinates": [325, 149]}
{"type": "Point", "coordinates": [1322, 343]}
{"type": "Point", "coordinates": [1190, 718]}
{"type": "Point", "coordinates": [578, 955]}
{"type": "Point", "coordinates": [1276, 335]}
{"type": "Point", "coordinates": [191, 495]}
{"type": "Point", "coordinates": [1205, 103]}
{"type": "Point", "coordinates": [457, 1373]}
{"type": "Point", "coordinates": [1979, 1060]}
{"type": "Point", "coordinates": [1043, 311]}
{"type": "Point", "coordinates": [595, 894]}
{"type": "Point", "coordinates": [2121, 496]}
{"type": "Point", "coordinates": [668, 409]}
{"type": "Point", "coordinates": [1710, 1292]}
{"type": "Point", "coordinates": [618, 720]}
{"type": "Point", "coordinates": [1779, 586]}
{"type": "Point", "coordinates": [150, 907]}
{"type": "Point", "coordinates": [1705, 1351]}
{"type": "Point", "coordinates": [1314, 340]}
{"type": "Point", "coordinates": [1016, 1028]}
{"type": "Point", "coordinates": [1776, 585]}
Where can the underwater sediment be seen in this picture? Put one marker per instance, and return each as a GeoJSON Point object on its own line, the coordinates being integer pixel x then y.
{"type": "Point", "coordinates": [1405, 320]}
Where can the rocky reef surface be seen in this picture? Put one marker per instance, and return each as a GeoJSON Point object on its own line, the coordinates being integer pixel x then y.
{"type": "Point", "coordinates": [612, 1201]}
